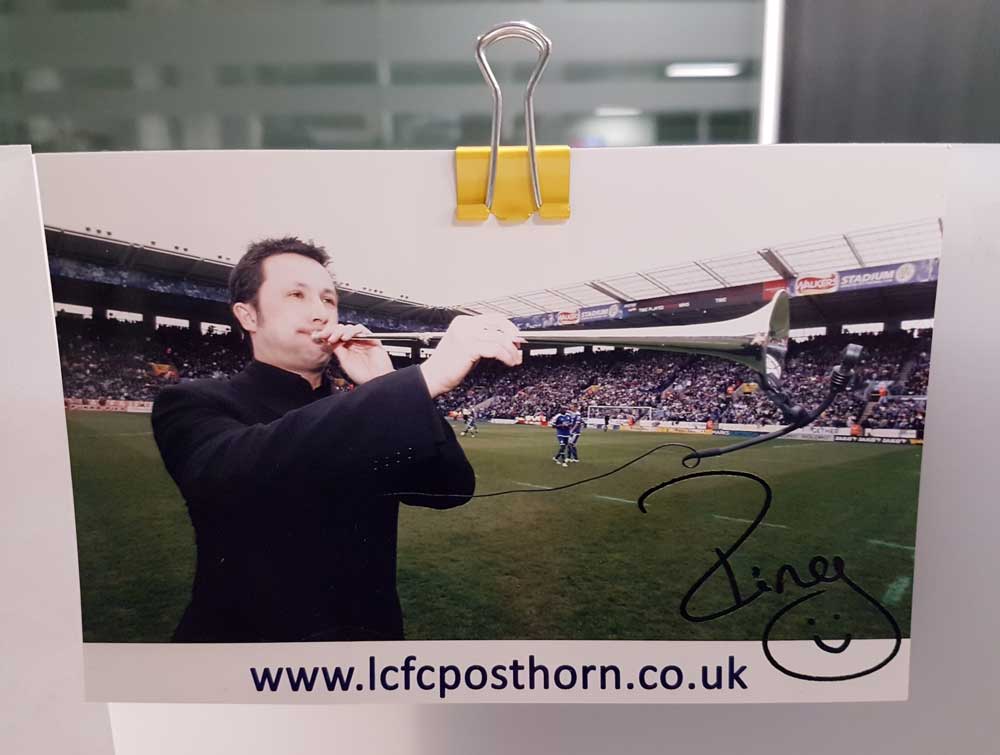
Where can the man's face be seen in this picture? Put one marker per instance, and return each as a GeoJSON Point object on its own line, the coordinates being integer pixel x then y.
{"type": "Point", "coordinates": [296, 298]}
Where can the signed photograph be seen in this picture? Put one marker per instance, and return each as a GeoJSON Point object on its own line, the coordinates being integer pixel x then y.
{"type": "Point", "coordinates": [667, 450]}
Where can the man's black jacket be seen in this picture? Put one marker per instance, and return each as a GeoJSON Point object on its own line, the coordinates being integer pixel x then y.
{"type": "Point", "coordinates": [286, 487]}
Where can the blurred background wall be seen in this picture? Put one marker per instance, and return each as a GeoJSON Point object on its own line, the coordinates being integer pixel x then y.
{"type": "Point", "coordinates": [235, 74]}
{"type": "Point", "coordinates": [183, 74]}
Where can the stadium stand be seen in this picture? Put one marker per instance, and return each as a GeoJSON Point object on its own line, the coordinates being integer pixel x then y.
{"type": "Point", "coordinates": [108, 359]}
{"type": "Point", "coordinates": [698, 389]}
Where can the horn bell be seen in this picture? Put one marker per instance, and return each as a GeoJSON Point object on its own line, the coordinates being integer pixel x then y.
{"type": "Point", "coordinates": [758, 340]}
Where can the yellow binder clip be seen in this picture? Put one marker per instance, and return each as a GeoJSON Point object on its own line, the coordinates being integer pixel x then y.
{"type": "Point", "coordinates": [504, 181]}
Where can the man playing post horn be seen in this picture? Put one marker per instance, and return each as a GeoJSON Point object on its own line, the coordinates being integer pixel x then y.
{"type": "Point", "coordinates": [288, 485]}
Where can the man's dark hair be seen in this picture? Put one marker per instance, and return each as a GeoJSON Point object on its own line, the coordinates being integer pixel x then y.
{"type": "Point", "coordinates": [246, 278]}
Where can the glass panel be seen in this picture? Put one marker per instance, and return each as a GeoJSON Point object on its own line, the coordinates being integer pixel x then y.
{"type": "Point", "coordinates": [732, 128]}
{"type": "Point", "coordinates": [237, 74]}
{"type": "Point", "coordinates": [677, 129]}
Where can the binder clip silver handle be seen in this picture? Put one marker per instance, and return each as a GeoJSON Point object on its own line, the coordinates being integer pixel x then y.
{"type": "Point", "coordinates": [531, 33]}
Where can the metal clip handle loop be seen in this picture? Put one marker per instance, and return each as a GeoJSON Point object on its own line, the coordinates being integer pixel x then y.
{"type": "Point", "coordinates": [531, 33]}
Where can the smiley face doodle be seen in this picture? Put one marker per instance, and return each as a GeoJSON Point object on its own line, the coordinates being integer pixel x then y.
{"type": "Point", "coordinates": [823, 645]}
{"type": "Point", "coordinates": [830, 635]}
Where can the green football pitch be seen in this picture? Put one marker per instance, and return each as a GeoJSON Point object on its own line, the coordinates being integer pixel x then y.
{"type": "Point", "coordinates": [583, 563]}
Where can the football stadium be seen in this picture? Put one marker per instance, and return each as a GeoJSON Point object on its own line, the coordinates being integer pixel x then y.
{"type": "Point", "coordinates": [583, 561]}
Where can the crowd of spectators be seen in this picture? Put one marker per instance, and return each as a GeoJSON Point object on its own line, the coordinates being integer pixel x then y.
{"type": "Point", "coordinates": [113, 359]}
{"type": "Point", "coordinates": [917, 381]}
{"type": "Point", "coordinates": [699, 388]}
{"type": "Point", "coordinates": [118, 360]}
{"type": "Point", "coordinates": [897, 413]}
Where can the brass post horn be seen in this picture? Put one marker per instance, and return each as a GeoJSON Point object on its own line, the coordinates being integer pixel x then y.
{"type": "Point", "coordinates": [758, 340]}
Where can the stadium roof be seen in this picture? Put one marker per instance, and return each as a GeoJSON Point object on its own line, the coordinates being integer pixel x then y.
{"type": "Point", "coordinates": [902, 242]}
{"type": "Point", "coordinates": [178, 262]}
{"type": "Point", "coordinates": [914, 240]}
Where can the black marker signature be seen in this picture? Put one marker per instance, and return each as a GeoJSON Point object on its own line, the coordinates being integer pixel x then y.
{"type": "Point", "coordinates": [821, 571]}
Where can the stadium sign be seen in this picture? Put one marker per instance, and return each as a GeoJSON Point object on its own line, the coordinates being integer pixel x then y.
{"type": "Point", "coordinates": [901, 274]}
{"type": "Point", "coordinates": [108, 405]}
{"type": "Point", "coordinates": [770, 288]}
{"type": "Point", "coordinates": [872, 439]}
{"type": "Point", "coordinates": [888, 432]}
{"type": "Point", "coordinates": [569, 317]}
{"type": "Point", "coordinates": [896, 274]}
{"type": "Point", "coordinates": [537, 322]}
{"type": "Point", "coordinates": [750, 294]}
{"type": "Point", "coordinates": [878, 277]}
{"type": "Point", "coordinates": [810, 285]}
{"type": "Point", "coordinates": [603, 312]}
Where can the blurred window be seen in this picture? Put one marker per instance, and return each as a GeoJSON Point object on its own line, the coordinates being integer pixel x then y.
{"type": "Point", "coordinates": [237, 74]}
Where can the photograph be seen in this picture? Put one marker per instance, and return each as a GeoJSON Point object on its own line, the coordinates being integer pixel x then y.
{"type": "Point", "coordinates": [294, 418]}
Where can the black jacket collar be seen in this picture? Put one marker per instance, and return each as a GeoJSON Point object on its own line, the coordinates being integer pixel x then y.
{"type": "Point", "coordinates": [281, 383]}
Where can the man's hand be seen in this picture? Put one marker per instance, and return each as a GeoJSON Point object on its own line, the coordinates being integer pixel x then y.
{"type": "Point", "coordinates": [468, 340]}
{"type": "Point", "coordinates": [361, 359]}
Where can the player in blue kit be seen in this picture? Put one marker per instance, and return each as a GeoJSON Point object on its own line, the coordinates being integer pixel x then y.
{"type": "Point", "coordinates": [562, 423]}
{"type": "Point", "coordinates": [575, 430]}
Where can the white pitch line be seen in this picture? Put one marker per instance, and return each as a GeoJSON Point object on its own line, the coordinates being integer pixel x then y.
{"type": "Point", "coordinates": [528, 484]}
{"type": "Point", "coordinates": [896, 591]}
{"type": "Point", "coordinates": [893, 545]}
{"type": "Point", "coordinates": [750, 521]}
{"type": "Point", "coordinates": [612, 498]}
